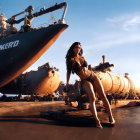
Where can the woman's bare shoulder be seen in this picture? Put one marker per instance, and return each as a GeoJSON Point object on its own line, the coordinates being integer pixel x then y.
{"type": "Point", "coordinates": [83, 57]}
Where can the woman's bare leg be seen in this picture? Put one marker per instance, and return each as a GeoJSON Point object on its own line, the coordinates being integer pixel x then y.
{"type": "Point", "coordinates": [100, 90]}
{"type": "Point", "coordinates": [88, 88]}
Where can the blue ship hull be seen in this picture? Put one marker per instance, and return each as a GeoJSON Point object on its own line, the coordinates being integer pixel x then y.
{"type": "Point", "coordinates": [21, 50]}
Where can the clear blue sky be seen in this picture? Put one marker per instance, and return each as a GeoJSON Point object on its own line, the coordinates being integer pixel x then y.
{"type": "Point", "coordinates": [104, 27]}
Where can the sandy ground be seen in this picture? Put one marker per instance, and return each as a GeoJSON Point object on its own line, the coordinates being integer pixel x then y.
{"type": "Point", "coordinates": [22, 121]}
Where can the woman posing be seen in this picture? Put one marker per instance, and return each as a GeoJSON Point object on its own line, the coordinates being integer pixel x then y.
{"type": "Point", "coordinates": [76, 63]}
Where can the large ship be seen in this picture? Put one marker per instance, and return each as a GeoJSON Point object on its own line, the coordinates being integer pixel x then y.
{"type": "Point", "coordinates": [20, 49]}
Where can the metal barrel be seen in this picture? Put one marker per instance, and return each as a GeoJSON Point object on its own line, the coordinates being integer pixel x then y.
{"type": "Point", "coordinates": [117, 84]}
{"type": "Point", "coordinates": [44, 81]}
{"type": "Point", "coordinates": [137, 89]}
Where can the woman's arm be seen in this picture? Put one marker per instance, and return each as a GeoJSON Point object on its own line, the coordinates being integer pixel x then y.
{"type": "Point", "coordinates": [67, 78]}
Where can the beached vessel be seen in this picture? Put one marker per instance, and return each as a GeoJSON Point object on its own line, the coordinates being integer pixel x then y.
{"type": "Point", "coordinates": [20, 49]}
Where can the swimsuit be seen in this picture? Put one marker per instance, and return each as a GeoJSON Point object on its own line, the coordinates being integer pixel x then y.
{"type": "Point", "coordinates": [90, 78]}
{"type": "Point", "coordinates": [76, 67]}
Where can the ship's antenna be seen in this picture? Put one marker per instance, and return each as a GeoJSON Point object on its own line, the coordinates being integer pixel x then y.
{"type": "Point", "coordinates": [0, 9]}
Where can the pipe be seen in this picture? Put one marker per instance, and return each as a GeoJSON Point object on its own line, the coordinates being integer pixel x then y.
{"type": "Point", "coordinates": [117, 84]}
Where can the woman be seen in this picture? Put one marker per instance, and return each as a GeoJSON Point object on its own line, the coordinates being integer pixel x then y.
{"type": "Point", "coordinates": [76, 63]}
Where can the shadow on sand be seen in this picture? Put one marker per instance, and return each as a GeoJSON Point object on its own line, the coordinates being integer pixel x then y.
{"type": "Point", "coordinates": [59, 118]}
{"type": "Point", "coordinates": [72, 120]}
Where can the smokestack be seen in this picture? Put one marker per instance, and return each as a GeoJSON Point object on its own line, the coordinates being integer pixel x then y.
{"type": "Point", "coordinates": [126, 75]}
{"type": "Point", "coordinates": [103, 57]}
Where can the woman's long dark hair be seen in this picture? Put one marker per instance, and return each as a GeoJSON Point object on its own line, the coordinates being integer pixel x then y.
{"type": "Point", "coordinates": [70, 54]}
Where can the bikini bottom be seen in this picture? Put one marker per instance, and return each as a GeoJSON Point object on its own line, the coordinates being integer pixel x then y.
{"type": "Point", "coordinates": [90, 78]}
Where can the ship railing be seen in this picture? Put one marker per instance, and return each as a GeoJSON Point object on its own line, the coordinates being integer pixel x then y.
{"type": "Point", "coordinates": [42, 12]}
{"type": "Point", "coordinates": [28, 18]}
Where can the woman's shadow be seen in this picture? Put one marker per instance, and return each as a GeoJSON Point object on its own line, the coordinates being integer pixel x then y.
{"type": "Point", "coordinates": [62, 118]}
{"type": "Point", "coordinates": [59, 118]}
